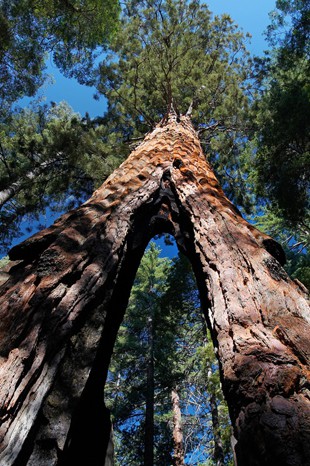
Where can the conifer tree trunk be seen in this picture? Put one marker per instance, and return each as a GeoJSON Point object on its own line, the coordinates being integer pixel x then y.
{"type": "Point", "coordinates": [218, 454]}
{"type": "Point", "coordinates": [67, 291]}
{"type": "Point", "coordinates": [8, 193]}
{"type": "Point", "coordinates": [149, 399]}
{"type": "Point", "coordinates": [178, 450]}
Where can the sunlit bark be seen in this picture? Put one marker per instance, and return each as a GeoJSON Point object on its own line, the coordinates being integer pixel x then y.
{"type": "Point", "coordinates": [64, 300]}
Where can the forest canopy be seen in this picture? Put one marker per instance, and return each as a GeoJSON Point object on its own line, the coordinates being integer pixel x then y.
{"type": "Point", "coordinates": [72, 31]}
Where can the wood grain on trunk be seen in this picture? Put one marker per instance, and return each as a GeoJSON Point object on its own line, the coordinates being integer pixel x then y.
{"type": "Point", "coordinates": [67, 291]}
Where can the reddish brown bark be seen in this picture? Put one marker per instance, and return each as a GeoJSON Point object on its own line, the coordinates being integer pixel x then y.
{"type": "Point", "coordinates": [67, 291]}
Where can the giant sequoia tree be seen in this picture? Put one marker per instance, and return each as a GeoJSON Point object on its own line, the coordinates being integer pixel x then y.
{"type": "Point", "coordinates": [164, 51]}
{"type": "Point", "coordinates": [65, 292]}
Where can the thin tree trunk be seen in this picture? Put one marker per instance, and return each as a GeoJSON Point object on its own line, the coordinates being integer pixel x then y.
{"type": "Point", "coordinates": [218, 454]}
{"type": "Point", "coordinates": [178, 449]}
{"type": "Point", "coordinates": [8, 193]}
{"type": "Point", "coordinates": [66, 294]}
{"type": "Point", "coordinates": [149, 399]}
{"type": "Point", "coordinates": [109, 459]}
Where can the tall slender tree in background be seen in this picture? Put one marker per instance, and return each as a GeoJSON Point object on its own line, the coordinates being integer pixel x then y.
{"type": "Point", "coordinates": [187, 397]}
{"type": "Point", "coordinates": [196, 373]}
{"type": "Point", "coordinates": [137, 393]}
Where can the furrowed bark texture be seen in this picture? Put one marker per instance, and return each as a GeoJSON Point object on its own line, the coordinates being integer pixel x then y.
{"type": "Point", "coordinates": [67, 291]}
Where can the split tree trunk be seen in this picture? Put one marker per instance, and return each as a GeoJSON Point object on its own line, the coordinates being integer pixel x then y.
{"type": "Point", "coordinates": [64, 301]}
{"type": "Point", "coordinates": [178, 449]}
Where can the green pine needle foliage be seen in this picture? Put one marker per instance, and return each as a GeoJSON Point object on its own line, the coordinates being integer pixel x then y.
{"type": "Point", "coordinates": [165, 291]}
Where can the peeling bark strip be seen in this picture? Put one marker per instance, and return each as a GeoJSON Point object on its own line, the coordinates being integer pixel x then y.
{"type": "Point", "coordinates": [67, 291]}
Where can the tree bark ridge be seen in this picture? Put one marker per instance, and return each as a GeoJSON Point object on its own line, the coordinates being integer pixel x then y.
{"type": "Point", "coordinates": [68, 288]}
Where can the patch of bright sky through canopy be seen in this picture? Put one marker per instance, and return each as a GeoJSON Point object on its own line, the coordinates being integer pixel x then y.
{"type": "Point", "coordinates": [251, 16]}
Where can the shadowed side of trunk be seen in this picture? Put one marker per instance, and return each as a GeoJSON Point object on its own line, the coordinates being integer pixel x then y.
{"type": "Point", "coordinates": [259, 320]}
{"type": "Point", "coordinates": [67, 292]}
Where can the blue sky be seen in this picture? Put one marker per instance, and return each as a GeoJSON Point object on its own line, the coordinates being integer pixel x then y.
{"type": "Point", "coordinates": [251, 16]}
